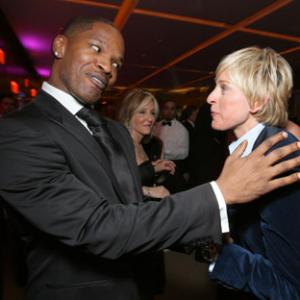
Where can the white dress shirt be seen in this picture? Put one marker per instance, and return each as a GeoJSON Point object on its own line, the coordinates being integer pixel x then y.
{"type": "Point", "coordinates": [175, 140]}
{"type": "Point", "coordinates": [66, 100]}
{"type": "Point", "coordinates": [251, 136]}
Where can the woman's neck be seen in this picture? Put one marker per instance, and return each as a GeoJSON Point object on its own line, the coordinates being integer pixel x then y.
{"type": "Point", "coordinates": [244, 128]}
{"type": "Point", "coordinates": [137, 138]}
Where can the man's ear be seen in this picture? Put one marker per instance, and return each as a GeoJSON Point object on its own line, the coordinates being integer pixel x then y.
{"type": "Point", "coordinates": [59, 46]}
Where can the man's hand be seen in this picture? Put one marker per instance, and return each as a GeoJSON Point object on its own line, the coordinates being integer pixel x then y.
{"type": "Point", "coordinates": [245, 179]}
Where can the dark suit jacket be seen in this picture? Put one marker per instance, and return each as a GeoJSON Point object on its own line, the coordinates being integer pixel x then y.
{"type": "Point", "coordinates": [266, 259]}
{"type": "Point", "coordinates": [80, 231]}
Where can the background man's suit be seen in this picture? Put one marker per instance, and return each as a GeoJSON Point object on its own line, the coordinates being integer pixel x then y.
{"type": "Point", "coordinates": [267, 260]}
{"type": "Point", "coordinates": [80, 238]}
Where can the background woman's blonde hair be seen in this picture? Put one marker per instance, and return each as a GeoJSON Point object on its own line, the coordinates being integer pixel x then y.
{"type": "Point", "coordinates": [264, 76]}
{"type": "Point", "coordinates": [133, 100]}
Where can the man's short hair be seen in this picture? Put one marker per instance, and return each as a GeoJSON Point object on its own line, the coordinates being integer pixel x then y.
{"type": "Point", "coordinates": [187, 112]}
{"type": "Point", "coordinates": [169, 101]}
{"type": "Point", "coordinates": [82, 23]}
{"type": "Point", "coordinates": [264, 76]}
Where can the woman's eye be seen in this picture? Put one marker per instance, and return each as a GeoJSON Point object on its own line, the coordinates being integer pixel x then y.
{"type": "Point", "coordinates": [96, 48]}
{"type": "Point", "coordinates": [223, 87]}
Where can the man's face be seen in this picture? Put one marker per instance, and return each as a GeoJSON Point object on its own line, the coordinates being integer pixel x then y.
{"type": "Point", "coordinates": [88, 61]}
{"type": "Point", "coordinates": [7, 105]}
{"type": "Point", "coordinates": [169, 111]}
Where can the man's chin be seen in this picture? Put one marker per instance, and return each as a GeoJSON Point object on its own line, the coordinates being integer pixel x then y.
{"type": "Point", "coordinates": [88, 99]}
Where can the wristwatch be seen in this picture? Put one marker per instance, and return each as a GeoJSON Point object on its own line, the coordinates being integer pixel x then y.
{"type": "Point", "coordinates": [207, 250]}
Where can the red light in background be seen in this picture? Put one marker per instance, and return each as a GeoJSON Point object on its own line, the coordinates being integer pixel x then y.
{"type": "Point", "coordinates": [26, 82]}
{"type": "Point", "coordinates": [14, 87]}
{"type": "Point", "coordinates": [33, 93]}
{"type": "Point", "coordinates": [2, 57]}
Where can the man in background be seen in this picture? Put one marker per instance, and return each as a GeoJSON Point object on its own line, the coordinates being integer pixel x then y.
{"type": "Point", "coordinates": [175, 138]}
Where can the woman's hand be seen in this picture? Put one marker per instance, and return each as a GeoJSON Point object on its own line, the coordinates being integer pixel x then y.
{"type": "Point", "coordinates": [164, 165]}
{"type": "Point", "coordinates": [156, 191]}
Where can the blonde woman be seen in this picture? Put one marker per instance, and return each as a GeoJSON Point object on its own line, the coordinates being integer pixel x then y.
{"type": "Point", "coordinates": [250, 98]}
{"type": "Point", "coordinates": [138, 112]}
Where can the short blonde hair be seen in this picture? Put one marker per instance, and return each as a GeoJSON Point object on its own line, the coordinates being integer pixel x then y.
{"type": "Point", "coordinates": [264, 76]}
{"type": "Point", "coordinates": [133, 100]}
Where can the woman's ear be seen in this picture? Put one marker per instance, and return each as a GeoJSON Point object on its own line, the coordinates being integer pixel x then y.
{"type": "Point", "coordinates": [59, 46]}
{"type": "Point", "coordinates": [258, 105]}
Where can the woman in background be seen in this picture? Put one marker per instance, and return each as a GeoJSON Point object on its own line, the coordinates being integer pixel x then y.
{"type": "Point", "coordinates": [250, 98]}
{"type": "Point", "coordinates": [138, 112]}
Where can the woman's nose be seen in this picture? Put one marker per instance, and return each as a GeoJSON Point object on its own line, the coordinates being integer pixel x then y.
{"type": "Point", "coordinates": [211, 97]}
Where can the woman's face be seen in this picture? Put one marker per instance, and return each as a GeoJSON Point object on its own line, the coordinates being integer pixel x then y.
{"type": "Point", "coordinates": [143, 119]}
{"type": "Point", "coordinates": [229, 107]}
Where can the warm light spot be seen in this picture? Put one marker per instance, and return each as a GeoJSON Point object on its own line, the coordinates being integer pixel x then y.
{"type": "Point", "coordinates": [33, 93]}
{"type": "Point", "coordinates": [2, 57]}
{"type": "Point", "coordinates": [204, 89]}
{"type": "Point", "coordinates": [14, 87]}
{"type": "Point", "coordinates": [26, 82]}
{"type": "Point", "coordinates": [182, 90]}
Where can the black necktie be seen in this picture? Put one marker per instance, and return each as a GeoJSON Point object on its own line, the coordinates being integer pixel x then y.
{"type": "Point", "coordinates": [111, 148]}
{"type": "Point", "coordinates": [164, 123]}
{"type": "Point", "coordinates": [98, 128]}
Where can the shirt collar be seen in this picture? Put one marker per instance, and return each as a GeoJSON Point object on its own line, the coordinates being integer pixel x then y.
{"type": "Point", "coordinates": [65, 99]}
{"type": "Point", "coordinates": [191, 122]}
{"type": "Point", "coordinates": [164, 120]}
{"type": "Point", "coordinates": [250, 136]}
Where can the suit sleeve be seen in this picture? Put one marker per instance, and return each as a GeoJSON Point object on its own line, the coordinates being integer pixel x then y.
{"type": "Point", "coordinates": [37, 182]}
{"type": "Point", "coordinates": [241, 269]}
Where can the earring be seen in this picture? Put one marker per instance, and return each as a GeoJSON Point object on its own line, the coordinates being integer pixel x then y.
{"type": "Point", "coordinates": [127, 125]}
{"type": "Point", "coordinates": [56, 54]}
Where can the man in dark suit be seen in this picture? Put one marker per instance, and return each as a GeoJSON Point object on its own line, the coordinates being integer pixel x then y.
{"type": "Point", "coordinates": [77, 202]}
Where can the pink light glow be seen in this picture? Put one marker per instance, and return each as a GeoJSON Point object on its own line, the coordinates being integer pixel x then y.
{"type": "Point", "coordinates": [35, 43]}
{"type": "Point", "coordinates": [44, 72]}
{"type": "Point", "coordinates": [15, 70]}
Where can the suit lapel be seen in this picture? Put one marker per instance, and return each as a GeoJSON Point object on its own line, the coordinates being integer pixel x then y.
{"type": "Point", "coordinates": [266, 133]}
{"type": "Point", "coordinates": [128, 152]}
{"type": "Point", "coordinates": [58, 114]}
